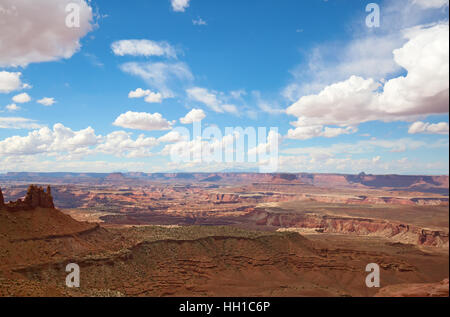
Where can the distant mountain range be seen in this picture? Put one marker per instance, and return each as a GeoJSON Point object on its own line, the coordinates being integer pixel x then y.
{"type": "Point", "coordinates": [421, 183]}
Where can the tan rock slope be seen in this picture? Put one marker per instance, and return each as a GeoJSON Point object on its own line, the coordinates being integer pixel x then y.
{"type": "Point", "coordinates": [440, 289]}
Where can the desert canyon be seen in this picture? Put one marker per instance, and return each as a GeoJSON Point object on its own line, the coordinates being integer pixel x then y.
{"type": "Point", "coordinates": [223, 234]}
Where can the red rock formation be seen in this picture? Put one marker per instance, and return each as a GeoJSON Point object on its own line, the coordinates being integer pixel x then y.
{"type": "Point", "coordinates": [356, 226]}
{"type": "Point", "coordinates": [36, 197]}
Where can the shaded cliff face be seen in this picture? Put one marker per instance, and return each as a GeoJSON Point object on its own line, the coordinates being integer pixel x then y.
{"type": "Point", "coordinates": [2, 200]}
{"type": "Point", "coordinates": [35, 197]}
{"type": "Point", "coordinates": [401, 232]}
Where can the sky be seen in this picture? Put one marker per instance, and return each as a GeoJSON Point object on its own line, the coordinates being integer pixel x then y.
{"type": "Point", "coordinates": [326, 86]}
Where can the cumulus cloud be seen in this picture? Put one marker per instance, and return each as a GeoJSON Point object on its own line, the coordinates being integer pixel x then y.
{"type": "Point", "coordinates": [172, 137]}
{"type": "Point", "coordinates": [18, 123]}
{"type": "Point", "coordinates": [160, 76]}
{"type": "Point", "coordinates": [369, 56]}
{"type": "Point", "coordinates": [45, 140]}
{"type": "Point", "coordinates": [26, 37]}
{"type": "Point", "coordinates": [345, 103]}
{"type": "Point", "coordinates": [423, 91]}
{"type": "Point", "coordinates": [120, 144]}
{"type": "Point", "coordinates": [64, 144]}
{"type": "Point", "coordinates": [143, 121]}
{"type": "Point", "coordinates": [12, 107]}
{"type": "Point", "coordinates": [428, 128]}
{"type": "Point", "coordinates": [143, 48]}
{"type": "Point", "coordinates": [194, 115]}
{"type": "Point", "coordinates": [21, 98]}
{"type": "Point", "coordinates": [46, 101]}
{"type": "Point", "coordinates": [211, 100]}
{"type": "Point", "coordinates": [150, 97]}
{"type": "Point", "coordinates": [138, 93]}
{"type": "Point", "coordinates": [9, 81]}
{"type": "Point", "coordinates": [308, 132]}
{"type": "Point", "coordinates": [425, 88]}
{"type": "Point", "coordinates": [179, 5]}
{"type": "Point", "coordinates": [201, 150]}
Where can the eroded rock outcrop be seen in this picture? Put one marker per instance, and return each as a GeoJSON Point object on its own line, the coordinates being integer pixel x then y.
{"type": "Point", "coordinates": [35, 197]}
{"type": "Point", "coordinates": [397, 231]}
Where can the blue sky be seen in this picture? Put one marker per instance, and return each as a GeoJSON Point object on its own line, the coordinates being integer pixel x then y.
{"type": "Point", "coordinates": [112, 93]}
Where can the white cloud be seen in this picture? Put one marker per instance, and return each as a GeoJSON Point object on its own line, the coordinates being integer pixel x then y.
{"type": "Point", "coordinates": [423, 91]}
{"type": "Point", "coordinates": [9, 81]}
{"type": "Point", "coordinates": [21, 98]}
{"type": "Point", "coordinates": [46, 101]}
{"type": "Point", "coordinates": [273, 140]}
{"type": "Point", "coordinates": [204, 96]}
{"type": "Point", "coordinates": [150, 97]}
{"type": "Point", "coordinates": [172, 137]}
{"type": "Point", "coordinates": [194, 115]}
{"type": "Point", "coordinates": [344, 103]}
{"type": "Point", "coordinates": [143, 121]}
{"type": "Point", "coordinates": [18, 123]}
{"type": "Point", "coordinates": [308, 132]}
{"type": "Point", "coordinates": [366, 56]}
{"type": "Point", "coordinates": [431, 4]}
{"type": "Point", "coordinates": [179, 5]}
{"type": "Point", "coordinates": [143, 48]}
{"type": "Point", "coordinates": [64, 144]}
{"type": "Point", "coordinates": [211, 100]}
{"type": "Point", "coordinates": [154, 97]}
{"type": "Point", "coordinates": [365, 147]}
{"type": "Point", "coordinates": [199, 21]}
{"type": "Point", "coordinates": [160, 76]}
{"type": "Point", "coordinates": [138, 93]}
{"type": "Point", "coordinates": [230, 108]}
{"type": "Point", "coordinates": [45, 140]}
{"type": "Point", "coordinates": [12, 107]}
{"type": "Point", "coordinates": [429, 128]}
{"type": "Point", "coordinates": [347, 157]}
{"type": "Point", "coordinates": [35, 31]}
{"type": "Point", "coordinates": [375, 165]}
{"type": "Point", "coordinates": [201, 150]}
{"type": "Point", "coordinates": [120, 143]}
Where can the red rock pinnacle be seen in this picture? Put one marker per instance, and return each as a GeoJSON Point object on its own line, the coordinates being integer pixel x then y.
{"type": "Point", "coordinates": [36, 197]}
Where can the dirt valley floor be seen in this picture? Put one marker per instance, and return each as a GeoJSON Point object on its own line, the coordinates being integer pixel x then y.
{"type": "Point", "coordinates": [215, 235]}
